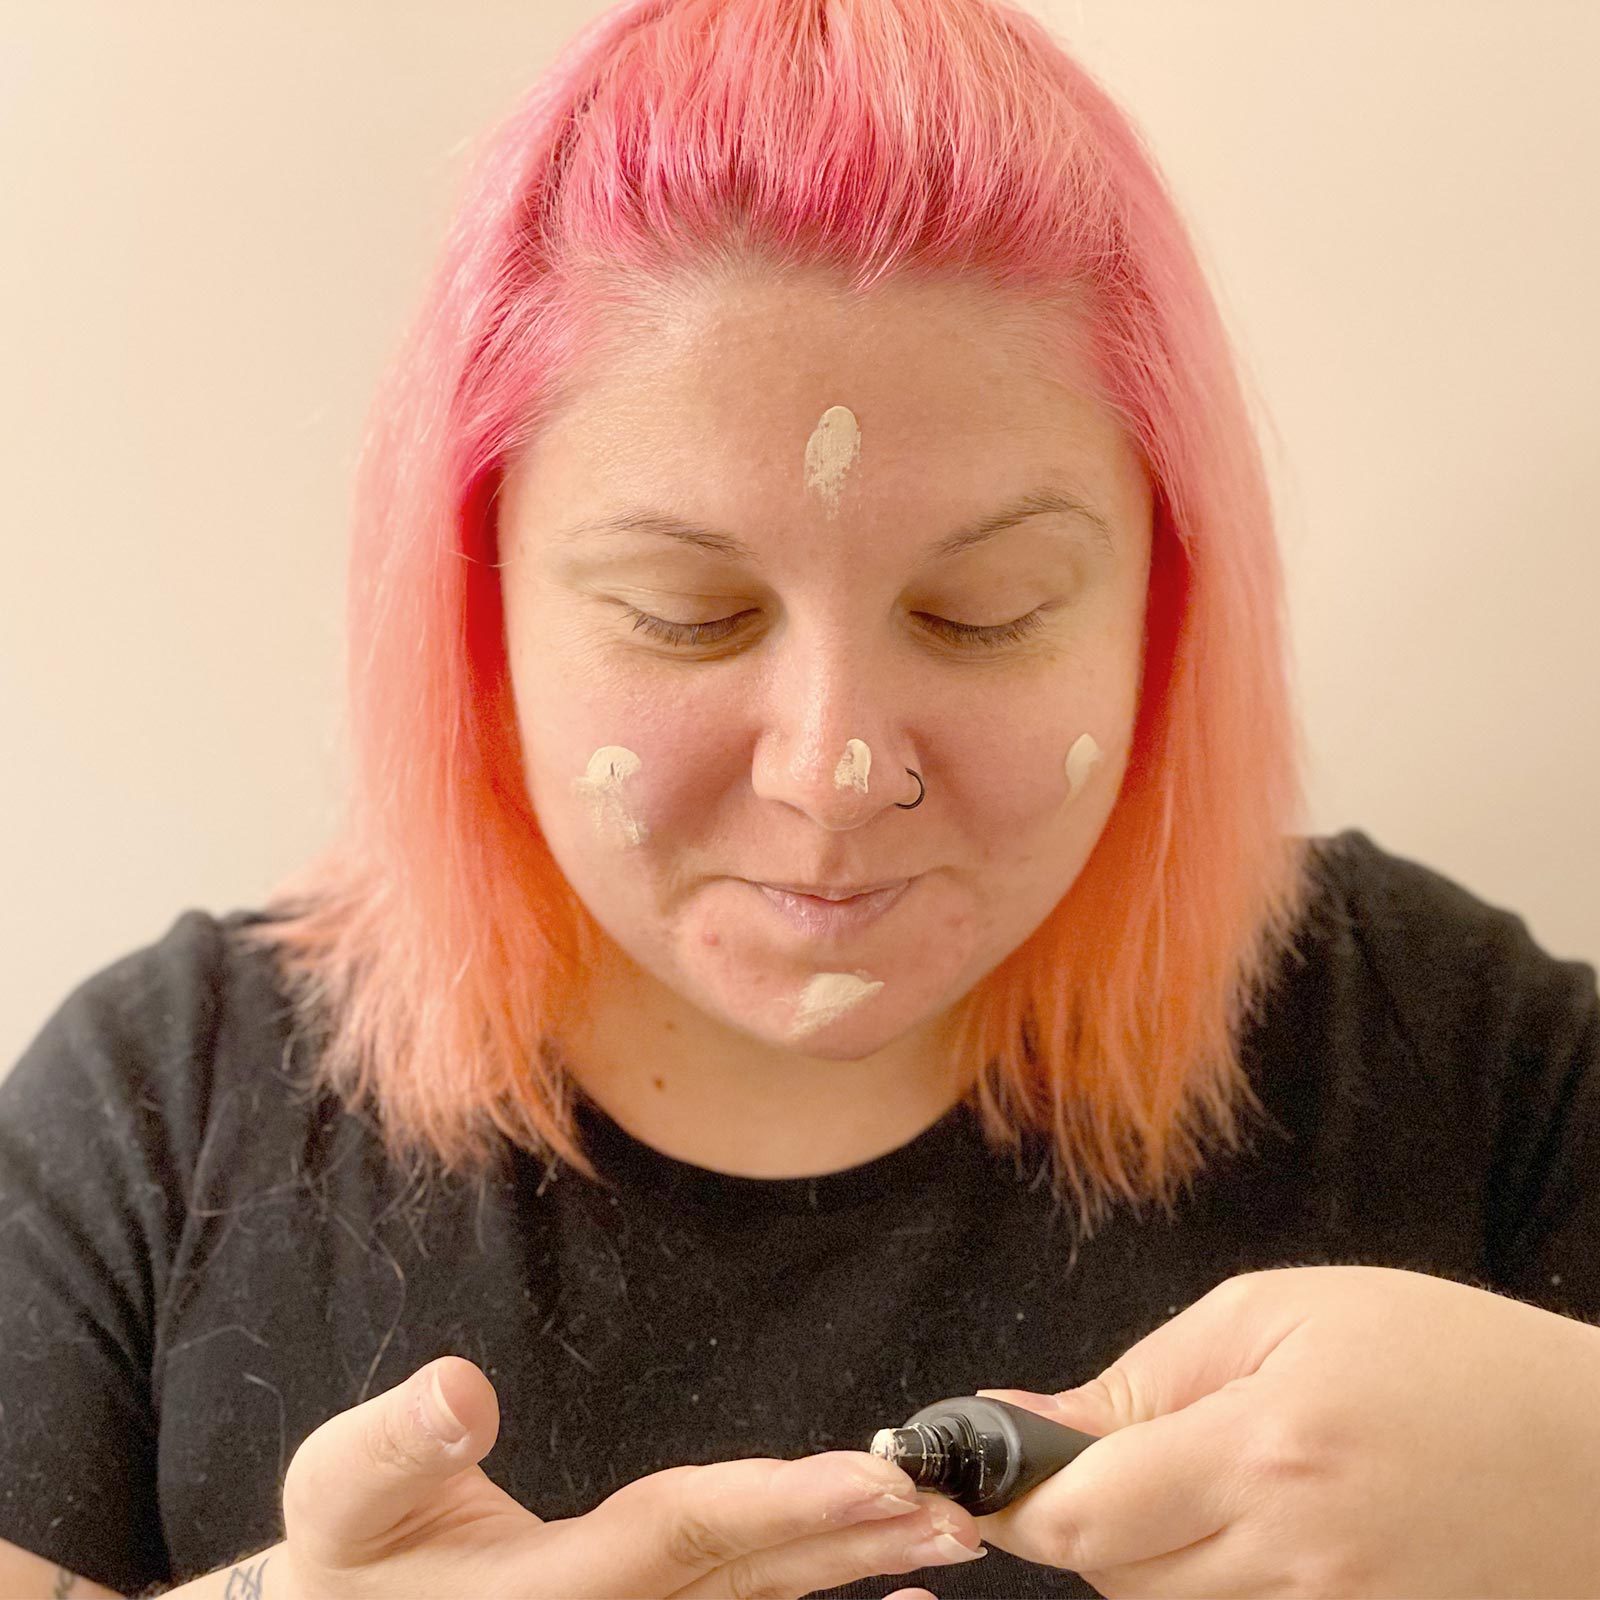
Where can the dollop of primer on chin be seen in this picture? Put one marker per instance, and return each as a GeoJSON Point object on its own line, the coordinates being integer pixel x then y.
{"type": "Point", "coordinates": [601, 785]}
{"type": "Point", "coordinates": [828, 995]}
{"type": "Point", "coordinates": [854, 765]}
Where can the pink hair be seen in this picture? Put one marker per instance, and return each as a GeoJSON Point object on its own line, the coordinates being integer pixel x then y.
{"type": "Point", "coordinates": [435, 945]}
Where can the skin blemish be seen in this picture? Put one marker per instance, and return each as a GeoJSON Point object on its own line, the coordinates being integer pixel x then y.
{"type": "Point", "coordinates": [601, 785]}
{"type": "Point", "coordinates": [831, 451]}
{"type": "Point", "coordinates": [828, 995]}
{"type": "Point", "coordinates": [854, 765]}
{"type": "Point", "coordinates": [1080, 759]}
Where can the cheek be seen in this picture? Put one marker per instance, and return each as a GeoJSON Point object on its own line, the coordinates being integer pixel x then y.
{"type": "Point", "coordinates": [1029, 765]}
{"type": "Point", "coordinates": [614, 773]}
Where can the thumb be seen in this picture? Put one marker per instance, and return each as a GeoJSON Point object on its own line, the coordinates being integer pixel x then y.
{"type": "Point", "coordinates": [364, 1470]}
{"type": "Point", "coordinates": [1090, 1408]}
{"type": "Point", "coordinates": [1222, 1338]}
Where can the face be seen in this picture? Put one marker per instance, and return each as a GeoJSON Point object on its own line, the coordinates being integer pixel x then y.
{"type": "Point", "coordinates": [739, 706]}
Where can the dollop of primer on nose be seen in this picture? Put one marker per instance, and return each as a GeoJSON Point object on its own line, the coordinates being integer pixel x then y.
{"type": "Point", "coordinates": [831, 451]}
{"type": "Point", "coordinates": [1083, 755]}
{"type": "Point", "coordinates": [601, 785]}
{"type": "Point", "coordinates": [854, 765]}
{"type": "Point", "coordinates": [828, 995]}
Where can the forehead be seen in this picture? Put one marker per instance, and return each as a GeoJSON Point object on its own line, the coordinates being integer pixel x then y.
{"type": "Point", "coordinates": [707, 399]}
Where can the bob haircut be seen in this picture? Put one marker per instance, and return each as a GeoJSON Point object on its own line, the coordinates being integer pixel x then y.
{"type": "Point", "coordinates": [434, 946]}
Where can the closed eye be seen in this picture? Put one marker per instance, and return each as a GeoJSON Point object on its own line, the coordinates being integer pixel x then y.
{"type": "Point", "coordinates": [960, 633]}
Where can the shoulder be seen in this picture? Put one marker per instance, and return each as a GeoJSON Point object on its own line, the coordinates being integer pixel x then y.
{"type": "Point", "coordinates": [1450, 964]}
{"type": "Point", "coordinates": [170, 994]}
{"type": "Point", "coordinates": [130, 1055]}
{"type": "Point", "coordinates": [1389, 892]}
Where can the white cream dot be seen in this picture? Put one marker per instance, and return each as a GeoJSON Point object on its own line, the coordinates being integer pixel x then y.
{"type": "Point", "coordinates": [828, 995]}
{"type": "Point", "coordinates": [854, 765]}
{"type": "Point", "coordinates": [831, 451]}
{"type": "Point", "coordinates": [609, 768]}
{"type": "Point", "coordinates": [1081, 758]}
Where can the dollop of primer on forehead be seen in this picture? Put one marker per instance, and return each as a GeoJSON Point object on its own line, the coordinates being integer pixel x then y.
{"type": "Point", "coordinates": [854, 765]}
{"type": "Point", "coordinates": [828, 995]}
{"type": "Point", "coordinates": [831, 451]}
{"type": "Point", "coordinates": [601, 785]}
{"type": "Point", "coordinates": [1081, 758]}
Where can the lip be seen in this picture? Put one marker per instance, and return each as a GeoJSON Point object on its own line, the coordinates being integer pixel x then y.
{"type": "Point", "coordinates": [825, 891]}
{"type": "Point", "coordinates": [818, 918]}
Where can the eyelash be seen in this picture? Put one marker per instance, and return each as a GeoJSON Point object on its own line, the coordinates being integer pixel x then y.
{"type": "Point", "coordinates": [961, 633]}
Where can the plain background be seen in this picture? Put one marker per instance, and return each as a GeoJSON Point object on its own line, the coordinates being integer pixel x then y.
{"type": "Point", "coordinates": [218, 219]}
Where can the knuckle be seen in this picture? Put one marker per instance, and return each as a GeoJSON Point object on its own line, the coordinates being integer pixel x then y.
{"type": "Point", "coordinates": [1280, 1450]}
{"type": "Point", "coordinates": [1117, 1385]}
{"type": "Point", "coordinates": [299, 1496]}
{"type": "Point", "coordinates": [640, 1497]}
{"type": "Point", "coordinates": [388, 1442]}
{"type": "Point", "coordinates": [302, 1525]}
{"type": "Point", "coordinates": [293, 1498]}
{"type": "Point", "coordinates": [747, 1581]}
{"type": "Point", "coordinates": [1066, 1547]}
{"type": "Point", "coordinates": [694, 1543]}
{"type": "Point", "coordinates": [1235, 1292]}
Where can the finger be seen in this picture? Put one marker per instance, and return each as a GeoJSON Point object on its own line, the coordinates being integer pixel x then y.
{"type": "Point", "coordinates": [1137, 1494]}
{"type": "Point", "coordinates": [1224, 1337]}
{"type": "Point", "coordinates": [364, 1470]}
{"type": "Point", "coordinates": [676, 1526]}
{"type": "Point", "coordinates": [827, 1560]}
{"type": "Point", "coordinates": [1230, 1565]}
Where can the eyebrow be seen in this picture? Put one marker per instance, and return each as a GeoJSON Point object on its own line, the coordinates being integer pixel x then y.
{"type": "Point", "coordinates": [1040, 503]}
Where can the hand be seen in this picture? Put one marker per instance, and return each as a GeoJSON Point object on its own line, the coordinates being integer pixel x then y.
{"type": "Point", "coordinates": [1340, 1432]}
{"type": "Point", "coordinates": [375, 1503]}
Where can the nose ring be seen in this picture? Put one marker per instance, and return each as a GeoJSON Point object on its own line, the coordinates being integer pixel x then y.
{"type": "Point", "coordinates": [913, 804]}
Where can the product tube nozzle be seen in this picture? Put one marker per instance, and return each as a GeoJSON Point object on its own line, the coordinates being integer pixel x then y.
{"type": "Point", "coordinates": [980, 1452]}
{"type": "Point", "coordinates": [922, 1453]}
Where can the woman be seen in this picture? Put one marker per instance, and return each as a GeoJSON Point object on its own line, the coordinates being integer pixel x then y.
{"type": "Point", "coordinates": [819, 928]}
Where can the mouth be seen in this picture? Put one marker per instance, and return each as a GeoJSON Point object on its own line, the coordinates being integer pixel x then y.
{"type": "Point", "coordinates": [819, 891]}
{"type": "Point", "coordinates": [831, 916]}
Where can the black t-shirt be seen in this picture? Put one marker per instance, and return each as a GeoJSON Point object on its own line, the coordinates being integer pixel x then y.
{"type": "Point", "coordinates": [199, 1263]}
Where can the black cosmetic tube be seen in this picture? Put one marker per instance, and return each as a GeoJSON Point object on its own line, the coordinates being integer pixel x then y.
{"type": "Point", "coordinates": [981, 1453]}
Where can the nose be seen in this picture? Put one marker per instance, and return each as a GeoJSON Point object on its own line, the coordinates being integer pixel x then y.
{"type": "Point", "coordinates": [834, 744]}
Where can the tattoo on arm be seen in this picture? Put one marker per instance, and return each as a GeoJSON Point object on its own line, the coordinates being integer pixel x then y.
{"type": "Point", "coordinates": [64, 1583]}
{"type": "Point", "coordinates": [244, 1583]}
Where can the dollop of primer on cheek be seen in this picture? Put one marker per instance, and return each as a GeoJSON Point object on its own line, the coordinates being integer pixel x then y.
{"type": "Point", "coordinates": [828, 995]}
{"type": "Point", "coordinates": [601, 785]}
{"type": "Point", "coordinates": [1081, 759]}
{"type": "Point", "coordinates": [854, 765]}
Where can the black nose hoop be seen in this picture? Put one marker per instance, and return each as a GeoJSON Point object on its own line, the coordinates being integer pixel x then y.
{"type": "Point", "coordinates": [912, 804]}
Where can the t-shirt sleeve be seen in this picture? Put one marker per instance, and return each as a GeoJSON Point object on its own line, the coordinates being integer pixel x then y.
{"type": "Point", "coordinates": [1477, 996]}
{"type": "Point", "coordinates": [98, 1128]}
{"type": "Point", "coordinates": [1545, 1187]}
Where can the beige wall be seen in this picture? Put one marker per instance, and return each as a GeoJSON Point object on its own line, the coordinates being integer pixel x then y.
{"type": "Point", "coordinates": [217, 218]}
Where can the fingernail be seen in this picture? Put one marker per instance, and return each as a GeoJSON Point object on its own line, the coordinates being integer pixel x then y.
{"type": "Point", "coordinates": [1016, 1396]}
{"type": "Point", "coordinates": [944, 1550]}
{"type": "Point", "coordinates": [437, 1416]}
{"type": "Point", "coordinates": [880, 1507]}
